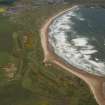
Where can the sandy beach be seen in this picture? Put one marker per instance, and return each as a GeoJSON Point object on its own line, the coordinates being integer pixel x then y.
{"type": "Point", "coordinates": [95, 83]}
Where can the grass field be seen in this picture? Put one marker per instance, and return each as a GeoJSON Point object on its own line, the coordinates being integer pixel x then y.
{"type": "Point", "coordinates": [6, 45]}
{"type": "Point", "coordinates": [6, 31]}
{"type": "Point", "coordinates": [6, 40]}
{"type": "Point", "coordinates": [34, 83]}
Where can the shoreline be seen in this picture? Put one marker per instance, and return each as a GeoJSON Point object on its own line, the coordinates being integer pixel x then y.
{"type": "Point", "coordinates": [95, 83]}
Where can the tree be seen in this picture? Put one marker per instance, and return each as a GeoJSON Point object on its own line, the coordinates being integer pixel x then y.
{"type": "Point", "coordinates": [7, 1]}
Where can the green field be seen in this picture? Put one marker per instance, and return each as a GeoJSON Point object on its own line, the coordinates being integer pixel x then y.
{"type": "Point", "coordinates": [6, 45]}
{"type": "Point", "coordinates": [6, 41]}
{"type": "Point", "coordinates": [34, 83]}
{"type": "Point", "coordinates": [6, 31]}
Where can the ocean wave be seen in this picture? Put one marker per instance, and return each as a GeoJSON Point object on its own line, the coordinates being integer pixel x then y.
{"type": "Point", "coordinates": [75, 49]}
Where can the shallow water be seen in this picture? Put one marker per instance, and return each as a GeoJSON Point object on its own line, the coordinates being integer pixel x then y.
{"type": "Point", "coordinates": [78, 37]}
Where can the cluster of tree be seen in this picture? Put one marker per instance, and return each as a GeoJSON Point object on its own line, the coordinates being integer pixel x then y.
{"type": "Point", "coordinates": [84, 1]}
{"type": "Point", "coordinates": [7, 1]}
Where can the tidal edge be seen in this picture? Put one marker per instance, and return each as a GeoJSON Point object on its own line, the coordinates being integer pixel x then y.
{"type": "Point", "coordinates": [95, 83]}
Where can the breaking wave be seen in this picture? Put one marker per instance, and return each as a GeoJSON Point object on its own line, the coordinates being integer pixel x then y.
{"type": "Point", "coordinates": [78, 37]}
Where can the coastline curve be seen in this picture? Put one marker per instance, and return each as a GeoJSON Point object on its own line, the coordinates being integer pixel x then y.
{"type": "Point", "coordinates": [94, 82]}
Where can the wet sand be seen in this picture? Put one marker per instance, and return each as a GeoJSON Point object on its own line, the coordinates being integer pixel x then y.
{"type": "Point", "coordinates": [95, 83]}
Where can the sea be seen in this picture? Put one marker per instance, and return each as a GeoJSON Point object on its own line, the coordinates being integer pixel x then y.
{"type": "Point", "coordinates": [78, 37]}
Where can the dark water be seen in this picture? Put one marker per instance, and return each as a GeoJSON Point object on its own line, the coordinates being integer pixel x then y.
{"type": "Point", "coordinates": [93, 28]}
{"type": "Point", "coordinates": [78, 37]}
{"type": "Point", "coordinates": [6, 1]}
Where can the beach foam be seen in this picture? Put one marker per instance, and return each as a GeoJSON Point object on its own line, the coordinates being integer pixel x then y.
{"type": "Point", "coordinates": [75, 49]}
